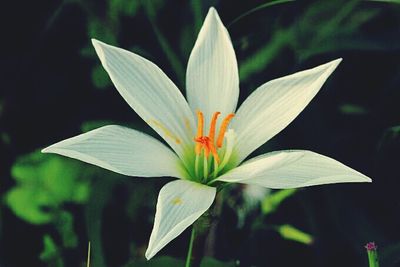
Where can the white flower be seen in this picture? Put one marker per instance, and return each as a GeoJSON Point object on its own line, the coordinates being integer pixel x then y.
{"type": "Point", "coordinates": [197, 158]}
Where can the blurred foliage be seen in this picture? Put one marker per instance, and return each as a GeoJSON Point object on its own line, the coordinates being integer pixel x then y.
{"type": "Point", "coordinates": [272, 201]}
{"type": "Point", "coordinates": [274, 37]}
{"type": "Point", "coordinates": [43, 184]}
{"type": "Point", "coordinates": [325, 26]}
{"type": "Point", "coordinates": [157, 262]}
{"type": "Point", "coordinates": [389, 136]}
{"type": "Point", "coordinates": [352, 109]}
{"type": "Point", "coordinates": [389, 256]}
{"type": "Point", "coordinates": [51, 254]}
{"type": "Point", "coordinates": [289, 232]}
{"type": "Point", "coordinates": [91, 125]}
{"type": "Point", "coordinates": [164, 261]}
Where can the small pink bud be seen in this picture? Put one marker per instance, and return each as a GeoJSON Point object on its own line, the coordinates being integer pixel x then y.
{"type": "Point", "coordinates": [370, 246]}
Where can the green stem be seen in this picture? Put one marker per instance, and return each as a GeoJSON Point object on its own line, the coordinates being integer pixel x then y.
{"type": "Point", "coordinates": [172, 57]}
{"type": "Point", "coordinates": [373, 259]}
{"type": "Point", "coordinates": [190, 250]}
{"type": "Point", "coordinates": [372, 254]}
{"type": "Point", "coordinates": [251, 11]}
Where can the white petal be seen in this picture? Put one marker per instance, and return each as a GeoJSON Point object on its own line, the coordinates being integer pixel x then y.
{"type": "Point", "coordinates": [150, 93]}
{"type": "Point", "coordinates": [274, 105]}
{"type": "Point", "coordinates": [292, 169]}
{"type": "Point", "coordinates": [180, 203]}
{"type": "Point", "coordinates": [212, 79]}
{"type": "Point", "coordinates": [121, 150]}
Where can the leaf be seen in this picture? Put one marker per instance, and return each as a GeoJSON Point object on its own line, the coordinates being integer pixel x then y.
{"type": "Point", "coordinates": [163, 261]}
{"type": "Point", "coordinates": [389, 136]}
{"type": "Point", "coordinates": [211, 262]}
{"type": "Point", "coordinates": [118, 8]}
{"type": "Point", "coordinates": [257, 8]}
{"type": "Point", "coordinates": [272, 201]}
{"type": "Point", "coordinates": [5, 138]}
{"type": "Point", "coordinates": [29, 205]}
{"type": "Point", "coordinates": [50, 253]}
{"type": "Point", "coordinates": [352, 109]}
{"type": "Point", "coordinates": [91, 125]}
{"type": "Point", "coordinates": [263, 56]}
{"type": "Point", "coordinates": [99, 30]}
{"type": "Point", "coordinates": [166, 261]}
{"type": "Point", "coordinates": [44, 183]}
{"type": "Point", "coordinates": [289, 232]}
{"type": "Point", "coordinates": [64, 223]}
{"type": "Point", "coordinates": [390, 255]}
{"type": "Point", "coordinates": [100, 77]}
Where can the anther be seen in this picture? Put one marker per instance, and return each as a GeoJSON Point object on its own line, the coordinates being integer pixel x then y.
{"type": "Point", "coordinates": [211, 134]}
{"type": "Point", "coordinates": [223, 128]}
{"type": "Point", "coordinates": [200, 125]}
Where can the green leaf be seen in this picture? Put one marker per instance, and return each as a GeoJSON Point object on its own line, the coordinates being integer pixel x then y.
{"type": "Point", "coordinates": [100, 77]}
{"type": "Point", "coordinates": [117, 8]}
{"type": "Point", "coordinates": [389, 136]}
{"type": "Point", "coordinates": [44, 183]}
{"type": "Point", "coordinates": [99, 30]}
{"type": "Point", "coordinates": [29, 205]}
{"type": "Point", "coordinates": [166, 261]}
{"type": "Point", "coordinates": [163, 261]}
{"type": "Point", "coordinates": [259, 60]}
{"type": "Point", "coordinates": [64, 223]}
{"type": "Point", "coordinates": [390, 255]}
{"type": "Point", "coordinates": [387, 1]}
{"type": "Point", "coordinates": [289, 232]}
{"type": "Point", "coordinates": [352, 109]}
{"type": "Point", "coordinates": [50, 253]}
{"type": "Point", "coordinates": [91, 125]}
{"type": "Point", "coordinates": [5, 138]}
{"type": "Point", "coordinates": [197, 14]}
{"type": "Point", "coordinates": [395, 130]}
{"type": "Point", "coordinates": [272, 201]}
{"type": "Point", "coordinates": [257, 8]}
{"type": "Point", "coordinates": [152, 8]}
{"type": "Point", "coordinates": [211, 262]}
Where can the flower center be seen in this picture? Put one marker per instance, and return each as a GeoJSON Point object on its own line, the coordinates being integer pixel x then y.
{"type": "Point", "coordinates": [208, 148]}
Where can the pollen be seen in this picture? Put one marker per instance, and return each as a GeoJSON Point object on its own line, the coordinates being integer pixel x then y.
{"type": "Point", "coordinates": [177, 201]}
{"type": "Point", "coordinates": [165, 130]}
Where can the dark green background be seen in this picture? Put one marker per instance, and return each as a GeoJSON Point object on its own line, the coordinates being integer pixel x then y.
{"type": "Point", "coordinates": [52, 87]}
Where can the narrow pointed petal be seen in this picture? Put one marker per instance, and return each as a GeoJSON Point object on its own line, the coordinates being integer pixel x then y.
{"type": "Point", "coordinates": [212, 79]}
{"type": "Point", "coordinates": [180, 203]}
{"type": "Point", "coordinates": [274, 105]}
{"type": "Point", "coordinates": [121, 150]}
{"type": "Point", "coordinates": [292, 169]}
{"type": "Point", "coordinates": [150, 93]}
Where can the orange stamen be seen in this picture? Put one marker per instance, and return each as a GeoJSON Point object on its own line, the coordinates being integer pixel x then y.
{"type": "Point", "coordinates": [223, 128]}
{"type": "Point", "coordinates": [207, 142]}
{"type": "Point", "coordinates": [200, 125]}
{"type": "Point", "coordinates": [211, 134]}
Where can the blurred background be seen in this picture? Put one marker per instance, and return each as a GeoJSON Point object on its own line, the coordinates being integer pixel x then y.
{"type": "Point", "coordinates": [53, 87]}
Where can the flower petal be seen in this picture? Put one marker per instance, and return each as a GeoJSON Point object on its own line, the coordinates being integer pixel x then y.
{"type": "Point", "coordinates": [180, 203]}
{"type": "Point", "coordinates": [292, 169]}
{"type": "Point", "coordinates": [274, 105]}
{"type": "Point", "coordinates": [150, 93]}
{"type": "Point", "coordinates": [121, 150]}
{"type": "Point", "coordinates": [212, 79]}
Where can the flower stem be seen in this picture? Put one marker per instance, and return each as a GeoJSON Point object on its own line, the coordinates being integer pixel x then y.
{"type": "Point", "coordinates": [372, 254]}
{"type": "Point", "coordinates": [190, 249]}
